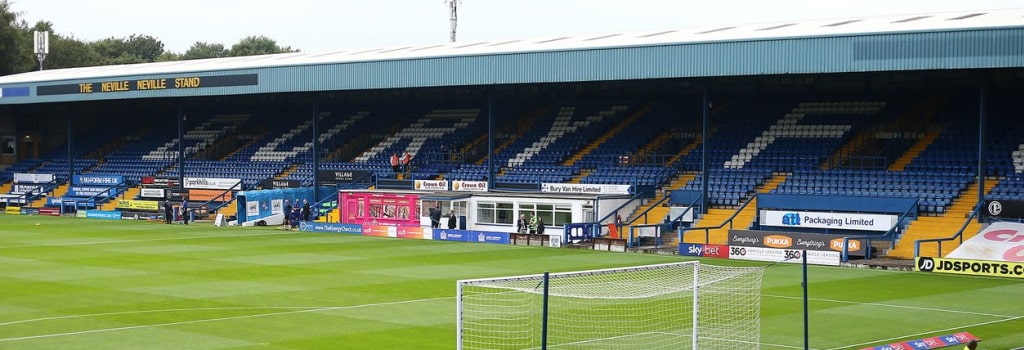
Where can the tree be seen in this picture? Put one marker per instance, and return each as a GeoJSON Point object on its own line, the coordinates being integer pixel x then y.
{"type": "Point", "coordinates": [15, 42]}
{"type": "Point", "coordinates": [144, 47]}
{"type": "Point", "coordinates": [257, 45]}
{"type": "Point", "coordinates": [204, 50]}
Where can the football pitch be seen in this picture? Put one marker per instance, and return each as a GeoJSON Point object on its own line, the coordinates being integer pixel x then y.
{"type": "Point", "coordinates": [68, 283]}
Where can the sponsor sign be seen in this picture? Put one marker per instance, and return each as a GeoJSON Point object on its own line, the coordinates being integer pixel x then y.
{"type": "Point", "coordinates": [469, 186]}
{"type": "Point", "coordinates": [22, 189]}
{"type": "Point", "coordinates": [276, 206]}
{"type": "Point", "coordinates": [410, 232]}
{"type": "Point", "coordinates": [816, 257]}
{"type": "Point", "coordinates": [209, 195]}
{"type": "Point", "coordinates": [583, 188]}
{"type": "Point", "coordinates": [252, 208]}
{"type": "Point", "coordinates": [942, 341]}
{"type": "Point", "coordinates": [160, 181]}
{"type": "Point", "coordinates": [430, 185]}
{"type": "Point", "coordinates": [89, 191]}
{"type": "Point", "coordinates": [211, 183]}
{"type": "Point", "coordinates": [97, 180]}
{"type": "Point", "coordinates": [29, 211]}
{"type": "Point", "coordinates": [49, 211]}
{"type": "Point", "coordinates": [1000, 241]}
{"type": "Point", "coordinates": [57, 201]}
{"type": "Point", "coordinates": [152, 193]}
{"type": "Point", "coordinates": [138, 205]}
{"type": "Point", "coordinates": [839, 221]}
{"type": "Point", "coordinates": [269, 184]}
{"type": "Point", "coordinates": [342, 176]}
{"type": "Point", "coordinates": [103, 214]}
{"type": "Point", "coordinates": [330, 227]}
{"type": "Point", "coordinates": [704, 250]}
{"type": "Point", "coordinates": [33, 178]}
{"type": "Point", "coordinates": [795, 240]}
{"type": "Point", "coordinates": [471, 236]}
{"type": "Point", "coordinates": [970, 267]}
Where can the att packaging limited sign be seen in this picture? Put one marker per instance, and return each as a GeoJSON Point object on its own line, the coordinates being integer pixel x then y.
{"type": "Point", "coordinates": [825, 220]}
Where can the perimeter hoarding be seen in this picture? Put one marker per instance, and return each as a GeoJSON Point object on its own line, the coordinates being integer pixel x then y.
{"type": "Point", "coordinates": [795, 240]}
{"type": "Point", "coordinates": [471, 236]}
{"type": "Point", "coordinates": [970, 267]}
{"type": "Point", "coordinates": [793, 256]}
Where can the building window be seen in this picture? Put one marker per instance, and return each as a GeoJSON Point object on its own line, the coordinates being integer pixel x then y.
{"type": "Point", "coordinates": [552, 214]}
{"type": "Point", "coordinates": [494, 213]}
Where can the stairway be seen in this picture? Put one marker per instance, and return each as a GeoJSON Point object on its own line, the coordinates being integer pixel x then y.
{"type": "Point", "coordinates": [944, 226]}
{"type": "Point", "coordinates": [231, 209]}
{"type": "Point", "coordinates": [284, 174]}
{"type": "Point", "coordinates": [57, 192]}
{"type": "Point", "coordinates": [526, 123]}
{"type": "Point", "coordinates": [579, 177]}
{"type": "Point", "coordinates": [614, 130]}
{"type": "Point", "coordinates": [129, 194]}
{"type": "Point", "coordinates": [6, 188]}
{"type": "Point", "coordinates": [742, 221]}
{"type": "Point", "coordinates": [915, 150]}
{"type": "Point", "coordinates": [658, 214]}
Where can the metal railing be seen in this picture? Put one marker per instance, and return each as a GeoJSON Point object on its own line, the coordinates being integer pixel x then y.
{"type": "Point", "coordinates": [892, 235]}
{"type": "Point", "coordinates": [959, 235]}
{"type": "Point", "coordinates": [707, 229]}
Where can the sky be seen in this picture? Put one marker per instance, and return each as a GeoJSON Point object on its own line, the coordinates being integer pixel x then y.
{"type": "Point", "coordinates": [329, 25]}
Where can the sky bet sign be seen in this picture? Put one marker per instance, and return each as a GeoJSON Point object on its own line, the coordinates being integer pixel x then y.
{"type": "Point", "coordinates": [840, 221]}
{"type": "Point", "coordinates": [704, 250]}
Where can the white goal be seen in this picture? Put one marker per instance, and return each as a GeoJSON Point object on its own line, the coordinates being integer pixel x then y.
{"type": "Point", "coordinates": [684, 305]}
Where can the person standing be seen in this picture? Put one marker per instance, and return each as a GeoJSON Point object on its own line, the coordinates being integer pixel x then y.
{"type": "Point", "coordinates": [168, 212]}
{"type": "Point", "coordinates": [971, 345]}
{"type": "Point", "coordinates": [435, 216]}
{"type": "Point", "coordinates": [406, 159]}
{"type": "Point", "coordinates": [452, 219]}
{"type": "Point", "coordinates": [184, 211]}
{"type": "Point", "coordinates": [540, 225]}
{"type": "Point", "coordinates": [305, 210]}
{"type": "Point", "coordinates": [521, 224]}
{"type": "Point", "coordinates": [533, 223]}
{"type": "Point", "coordinates": [287, 211]}
{"type": "Point", "coordinates": [394, 162]}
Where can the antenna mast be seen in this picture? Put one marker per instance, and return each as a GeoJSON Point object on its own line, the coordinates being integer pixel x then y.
{"type": "Point", "coordinates": [453, 10]}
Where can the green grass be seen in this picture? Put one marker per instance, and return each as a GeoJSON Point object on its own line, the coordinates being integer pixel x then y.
{"type": "Point", "coordinates": [83, 284]}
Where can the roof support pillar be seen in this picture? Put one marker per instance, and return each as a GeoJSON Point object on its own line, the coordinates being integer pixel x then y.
{"type": "Point", "coordinates": [181, 147]}
{"type": "Point", "coordinates": [706, 120]}
{"type": "Point", "coordinates": [982, 106]}
{"type": "Point", "coordinates": [316, 152]}
{"type": "Point", "coordinates": [490, 139]}
{"type": "Point", "coordinates": [71, 145]}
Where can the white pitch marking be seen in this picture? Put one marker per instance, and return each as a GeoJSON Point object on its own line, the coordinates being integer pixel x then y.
{"type": "Point", "coordinates": [103, 330]}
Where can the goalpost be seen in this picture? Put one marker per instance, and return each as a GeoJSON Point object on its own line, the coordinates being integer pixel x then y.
{"type": "Point", "coordinates": [683, 305]}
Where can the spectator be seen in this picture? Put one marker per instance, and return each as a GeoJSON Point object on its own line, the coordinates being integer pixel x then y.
{"type": "Point", "coordinates": [521, 225]}
{"type": "Point", "coordinates": [971, 345]}
{"type": "Point", "coordinates": [406, 159]}
{"type": "Point", "coordinates": [540, 225]}
{"type": "Point", "coordinates": [618, 221]}
{"type": "Point", "coordinates": [533, 223]}
{"type": "Point", "coordinates": [394, 162]}
{"type": "Point", "coordinates": [452, 219]}
{"type": "Point", "coordinates": [305, 210]}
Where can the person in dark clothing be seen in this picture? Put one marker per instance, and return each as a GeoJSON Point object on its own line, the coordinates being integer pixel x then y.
{"type": "Point", "coordinates": [287, 211]}
{"type": "Point", "coordinates": [305, 210]}
{"type": "Point", "coordinates": [168, 212]}
{"type": "Point", "coordinates": [435, 217]}
{"type": "Point", "coordinates": [184, 211]}
{"type": "Point", "coordinates": [540, 225]}
{"type": "Point", "coordinates": [452, 219]}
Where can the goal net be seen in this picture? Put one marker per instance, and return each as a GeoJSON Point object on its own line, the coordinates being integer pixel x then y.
{"type": "Point", "coordinates": [684, 305]}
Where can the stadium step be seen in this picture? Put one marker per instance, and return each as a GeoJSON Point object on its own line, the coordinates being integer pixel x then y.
{"type": "Point", "coordinates": [933, 133]}
{"type": "Point", "coordinates": [611, 132]}
{"type": "Point", "coordinates": [6, 188]}
{"type": "Point", "coordinates": [579, 177]}
{"type": "Point", "coordinates": [685, 151]}
{"type": "Point", "coordinates": [526, 123]}
{"type": "Point", "coordinates": [291, 169]}
{"type": "Point", "coordinates": [677, 182]}
{"type": "Point", "coordinates": [772, 183]}
{"type": "Point", "coordinates": [129, 194]}
{"type": "Point", "coordinates": [716, 217]}
{"type": "Point", "coordinates": [943, 226]}
{"type": "Point", "coordinates": [229, 210]}
{"type": "Point", "coordinates": [60, 191]}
